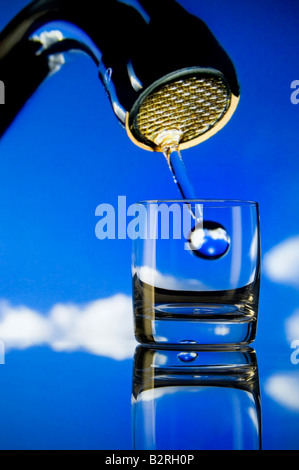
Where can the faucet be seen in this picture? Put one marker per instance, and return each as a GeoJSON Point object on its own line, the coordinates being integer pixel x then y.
{"type": "Point", "coordinates": [168, 79]}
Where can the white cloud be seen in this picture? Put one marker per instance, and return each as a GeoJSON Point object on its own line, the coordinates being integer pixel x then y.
{"type": "Point", "coordinates": [21, 327]}
{"type": "Point", "coordinates": [283, 388]}
{"type": "Point", "coordinates": [292, 326]}
{"type": "Point", "coordinates": [103, 327]}
{"type": "Point", "coordinates": [281, 264]}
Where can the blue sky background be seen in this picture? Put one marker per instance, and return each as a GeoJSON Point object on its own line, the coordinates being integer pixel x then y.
{"type": "Point", "coordinates": [66, 153]}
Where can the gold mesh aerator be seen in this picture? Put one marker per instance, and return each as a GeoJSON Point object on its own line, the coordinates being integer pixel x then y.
{"type": "Point", "coordinates": [181, 112]}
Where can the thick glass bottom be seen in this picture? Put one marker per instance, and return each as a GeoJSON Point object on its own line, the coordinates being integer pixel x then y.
{"type": "Point", "coordinates": [214, 319]}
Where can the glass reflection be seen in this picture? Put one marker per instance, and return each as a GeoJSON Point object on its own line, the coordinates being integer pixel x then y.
{"type": "Point", "coordinates": [195, 400]}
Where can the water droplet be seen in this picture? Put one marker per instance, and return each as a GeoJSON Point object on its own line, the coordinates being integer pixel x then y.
{"type": "Point", "coordinates": [107, 76]}
{"type": "Point", "coordinates": [209, 241]}
{"type": "Point", "coordinates": [187, 356]}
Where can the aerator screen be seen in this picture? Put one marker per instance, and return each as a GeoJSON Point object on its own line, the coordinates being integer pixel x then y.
{"type": "Point", "coordinates": [190, 105]}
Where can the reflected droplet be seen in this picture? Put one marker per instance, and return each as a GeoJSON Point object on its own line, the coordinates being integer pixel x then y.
{"type": "Point", "coordinates": [209, 241]}
{"type": "Point", "coordinates": [187, 356]}
{"type": "Point", "coordinates": [188, 341]}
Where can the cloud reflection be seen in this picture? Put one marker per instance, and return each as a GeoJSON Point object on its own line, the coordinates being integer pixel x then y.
{"type": "Point", "coordinates": [155, 278]}
{"type": "Point", "coordinates": [292, 326]}
{"type": "Point", "coordinates": [283, 388]}
{"type": "Point", "coordinates": [102, 327]}
{"type": "Point", "coordinates": [281, 264]}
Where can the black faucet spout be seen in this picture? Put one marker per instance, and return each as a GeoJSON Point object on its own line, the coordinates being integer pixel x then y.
{"type": "Point", "coordinates": [140, 48]}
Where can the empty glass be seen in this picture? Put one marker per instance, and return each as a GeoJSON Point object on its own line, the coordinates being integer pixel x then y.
{"type": "Point", "coordinates": [196, 272]}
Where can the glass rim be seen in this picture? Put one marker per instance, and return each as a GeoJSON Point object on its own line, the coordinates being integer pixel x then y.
{"type": "Point", "coordinates": [213, 203]}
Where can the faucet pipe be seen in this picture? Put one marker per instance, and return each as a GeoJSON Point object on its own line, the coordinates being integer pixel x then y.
{"type": "Point", "coordinates": [139, 47]}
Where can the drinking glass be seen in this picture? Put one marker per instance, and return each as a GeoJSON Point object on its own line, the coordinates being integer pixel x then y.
{"type": "Point", "coordinates": [196, 272]}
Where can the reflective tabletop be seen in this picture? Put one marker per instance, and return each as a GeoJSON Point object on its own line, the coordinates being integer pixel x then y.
{"type": "Point", "coordinates": [161, 400]}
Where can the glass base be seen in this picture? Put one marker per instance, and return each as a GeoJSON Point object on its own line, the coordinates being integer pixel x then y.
{"type": "Point", "coordinates": [197, 325]}
{"type": "Point", "coordinates": [166, 317]}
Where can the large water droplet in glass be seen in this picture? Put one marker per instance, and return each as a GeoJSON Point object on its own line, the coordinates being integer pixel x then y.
{"type": "Point", "coordinates": [209, 241]}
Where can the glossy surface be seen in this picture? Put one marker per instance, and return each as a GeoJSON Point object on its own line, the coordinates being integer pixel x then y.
{"type": "Point", "coordinates": [80, 401]}
{"type": "Point", "coordinates": [65, 314]}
